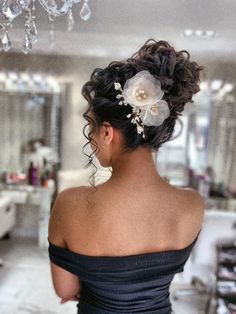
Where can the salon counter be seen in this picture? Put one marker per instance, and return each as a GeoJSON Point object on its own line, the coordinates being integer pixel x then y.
{"type": "Point", "coordinates": [32, 211]}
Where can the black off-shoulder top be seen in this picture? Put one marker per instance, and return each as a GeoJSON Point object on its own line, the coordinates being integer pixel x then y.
{"type": "Point", "coordinates": [123, 284]}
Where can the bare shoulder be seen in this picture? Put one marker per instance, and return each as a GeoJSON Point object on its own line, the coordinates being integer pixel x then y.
{"type": "Point", "coordinates": [195, 197]}
{"type": "Point", "coordinates": [69, 195]}
{"type": "Point", "coordinates": [63, 209]}
{"type": "Point", "coordinates": [196, 203]}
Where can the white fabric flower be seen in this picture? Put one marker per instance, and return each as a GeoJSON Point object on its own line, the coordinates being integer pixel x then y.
{"type": "Point", "coordinates": [144, 91]}
{"type": "Point", "coordinates": [155, 114]}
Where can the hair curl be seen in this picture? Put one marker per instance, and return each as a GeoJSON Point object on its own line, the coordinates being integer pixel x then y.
{"type": "Point", "coordinates": [179, 78]}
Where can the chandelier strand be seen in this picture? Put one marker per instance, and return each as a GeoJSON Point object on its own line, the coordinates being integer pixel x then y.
{"type": "Point", "coordinates": [10, 9]}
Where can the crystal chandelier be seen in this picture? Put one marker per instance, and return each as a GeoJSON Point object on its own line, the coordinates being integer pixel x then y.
{"type": "Point", "coordinates": [10, 9]}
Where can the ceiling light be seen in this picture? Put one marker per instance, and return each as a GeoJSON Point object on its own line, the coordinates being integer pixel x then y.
{"type": "Point", "coordinates": [25, 77]}
{"type": "Point", "coordinates": [13, 76]}
{"type": "Point", "coordinates": [10, 9]}
{"type": "Point", "coordinates": [204, 85]}
{"type": "Point", "coordinates": [188, 32]}
{"type": "Point", "coordinates": [224, 90]}
{"type": "Point", "coordinates": [199, 33]}
{"type": "Point", "coordinates": [37, 77]}
{"type": "Point", "coordinates": [228, 87]}
{"type": "Point", "coordinates": [3, 76]}
{"type": "Point", "coordinates": [202, 120]}
{"type": "Point", "coordinates": [28, 82]}
{"type": "Point", "coordinates": [210, 33]}
{"type": "Point", "coordinates": [216, 84]}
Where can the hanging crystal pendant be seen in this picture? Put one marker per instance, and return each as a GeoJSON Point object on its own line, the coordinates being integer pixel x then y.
{"type": "Point", "coordinates": [51, 17]}
{"type": "Point", "coordinates": [27, 45]}
{"type": "Point", "coordinates": [5, 42]}
{"type": "Point", "coordinates": [85, 12]}
{"type": "Point", "coordinates": [52, 35]}
{"type": "Point", "coordinates": [32, 26]}
{"type": "Point", "coordinates": [2, 27]}
{"type": "Point", "coordinates": [24, 4]}
{"type": "Point", "coordinates": [51, 7]}
{"type": "Point", "coordinates": [32, 30]}
{"type": "Point", "coordinates": [11, 10]}
{"type": "Point", "coordinates": [70, 21]}
{"type": "Point", "coordinates": [2, 3]}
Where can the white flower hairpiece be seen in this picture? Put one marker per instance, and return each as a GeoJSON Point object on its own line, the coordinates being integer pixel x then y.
{"type": "Point", "coordinates": [143, 92]}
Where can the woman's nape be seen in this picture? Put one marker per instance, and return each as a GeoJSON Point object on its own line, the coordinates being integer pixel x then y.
{"type": "Point", "coordinates": [136, 167]}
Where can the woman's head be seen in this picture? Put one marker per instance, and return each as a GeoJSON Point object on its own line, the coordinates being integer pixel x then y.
{"type": "Point", "coordinates": [107, 120]}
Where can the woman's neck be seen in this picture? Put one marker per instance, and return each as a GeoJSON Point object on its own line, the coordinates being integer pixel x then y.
{"type": "Point", "coordinates": [136, 167]}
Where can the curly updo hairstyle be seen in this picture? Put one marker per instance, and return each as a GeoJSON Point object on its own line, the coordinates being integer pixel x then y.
{"type": "Point", "coordinates": [179, 78]}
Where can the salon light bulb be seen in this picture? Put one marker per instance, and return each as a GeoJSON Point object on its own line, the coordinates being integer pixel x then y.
{"type": "Point", "coordinates": [228, 87]}
{"type": "Point", "coordinates": [2, 76]}
{"type": "Point", "coordinates": [188, 32]}
{"type": "Point", "coordinates": [210, 33]}
{"type": "Point", "coordinates": [204, 85]}
{"type": "Point", "coordinates": [198, 32]}
{"type": "Point", "coordinates": [216, 85]}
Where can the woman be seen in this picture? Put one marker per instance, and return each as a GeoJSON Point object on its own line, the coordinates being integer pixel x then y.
{"type": "Point", "coordinates": [117, 246]}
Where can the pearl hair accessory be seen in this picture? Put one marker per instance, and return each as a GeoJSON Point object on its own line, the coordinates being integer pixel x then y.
{"type": "Point", "coordinates": [143, 92]}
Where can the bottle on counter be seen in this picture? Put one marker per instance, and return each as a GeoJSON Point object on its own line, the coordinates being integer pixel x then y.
{"type": "Point", "coordinates": [32, 174]}
{"type": "Point", "coordinates": [191, 178]}
{"type": "Point", "coordinates": [204, 185]}
{"type": "Point", "coordinates": [45, 173]}
{"type": "Point", "coordinates": [52, 181]}
{"type": "Point", "coordinates": [47, 176]}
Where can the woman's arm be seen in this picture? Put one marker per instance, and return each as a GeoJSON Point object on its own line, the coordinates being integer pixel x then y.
{"type": "Point", "coordinates": [67, 285]}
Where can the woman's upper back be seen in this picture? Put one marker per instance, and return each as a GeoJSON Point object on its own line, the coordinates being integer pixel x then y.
{"type": "Point", "coordinates": [131, 220]}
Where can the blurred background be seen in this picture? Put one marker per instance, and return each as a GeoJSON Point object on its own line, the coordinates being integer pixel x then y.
{"type": "Point", "coordinates": [44, 60]}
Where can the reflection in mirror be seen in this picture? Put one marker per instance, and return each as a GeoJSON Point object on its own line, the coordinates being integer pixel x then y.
{"type": "Point", "coordinates": [202, 154]}
{"type": "Point", "coordinates": [30, 138]}
{"type": "Point", "coordinates": [30, 109]}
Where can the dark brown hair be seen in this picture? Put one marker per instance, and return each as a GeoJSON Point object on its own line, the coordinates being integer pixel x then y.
{"type": "Point", "coordinates": [179, 78]}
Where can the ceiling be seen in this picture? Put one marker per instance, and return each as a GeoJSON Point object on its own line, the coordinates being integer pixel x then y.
{"type": "Point", "coordinates": [119, 27]}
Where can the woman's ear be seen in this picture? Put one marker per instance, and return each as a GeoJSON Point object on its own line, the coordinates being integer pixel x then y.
{"type": "Point", "coordinates": [107, 132]}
